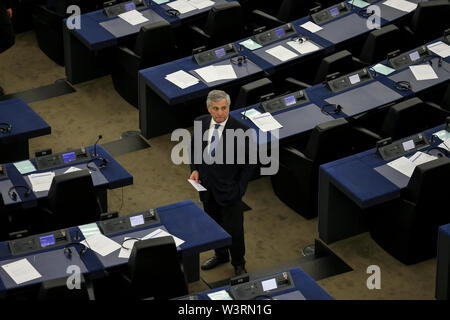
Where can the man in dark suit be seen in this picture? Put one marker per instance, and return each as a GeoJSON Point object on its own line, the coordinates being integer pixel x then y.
{"type": "Point", "coordinates": [225, 178]}
{"type": "Point", "coordinates": [7, 37]}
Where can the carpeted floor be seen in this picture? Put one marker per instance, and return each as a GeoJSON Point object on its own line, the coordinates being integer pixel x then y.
{"type": "Point", "coordinates": [274, 233]}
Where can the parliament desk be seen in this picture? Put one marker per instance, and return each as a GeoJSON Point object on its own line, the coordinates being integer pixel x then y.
{"type": "Point", "coordinates": [111, 177]}
{"type": "Point", "coordinates": [305, 288]}
{"type": "Point", "coordinates": [87, 50]}
{"type": "Point", "coordinates": [360, 98]}
{"type": "Point", "coordinates": [24, 124]}
{"type": "Point", "coordinates": [443, 264]}
{"type": "Point", "coordinates": [184, 220]}
{"type": "Point", "coordinates": [350, 185]}
{"type": "Point", "coordinates": [163, 106]}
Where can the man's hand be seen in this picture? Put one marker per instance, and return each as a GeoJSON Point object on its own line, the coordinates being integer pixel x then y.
{"type": "Point", "coordinates": [195, 176]}
{"type": "Point", "coordinates": [9, 12]}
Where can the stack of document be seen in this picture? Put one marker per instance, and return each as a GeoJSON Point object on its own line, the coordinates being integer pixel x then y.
{"type": "Point", "coordinates": [125, 252]}
{"type": "Point", "coordinates": [311, 27]}
{"type": "Point", "coordinates": [401, 5]}
{"type": "Point", "coordinates": [133, 17]}
{"type": "Point", "coordinates": [382, 69]}
{"type": "Point", "coordinates": [440, 48]}
{"type": "Point", "coordinates": [266, 122]}
{"type": "Point", "coordinates": [304, 47]}
{"type": "Point", "coordinates": [407, 165]}
{"type": "Point", "coordinates": [182, 79]}
{"type": "Point", "coordinates": [445, 145]}
{"type": "Point", "coordinates": [423, 72]}
{"type": "Point", "coordinates": [25, 166]}
{"type": "Point", "coordinates": [41, 181]}
{"type": "Point", "coordinates": [281, 53]}
{"type": "Point", "coordinates": [216, 73]}
{"type": "Point", "coordinates": [184, 6]}
{"type": "Point", "coordinates": [250, 44]}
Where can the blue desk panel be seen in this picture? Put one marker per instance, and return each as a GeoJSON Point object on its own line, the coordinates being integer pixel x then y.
{"type": "Point", "coordinates": [443, 264]}
{"type": "Point", "coordinates": [303, 283]}
{"type": "Point", "coordinates": [350, 185]}
{"type": "Point", "coordinates": [183, 219]}
{"type": "Point", "coordinates": [26, 123]}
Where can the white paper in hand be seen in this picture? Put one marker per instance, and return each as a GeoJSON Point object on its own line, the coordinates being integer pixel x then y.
{"type": "Point", "coordinates": [196, 185]}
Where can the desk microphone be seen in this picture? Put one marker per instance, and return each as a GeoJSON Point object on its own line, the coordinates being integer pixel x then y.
{"type": "Point", "coordinates": [95, 145]}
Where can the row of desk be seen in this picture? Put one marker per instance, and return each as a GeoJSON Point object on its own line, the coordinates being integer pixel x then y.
{"type": "Point", "coordinates": [87, 50]}
{"type": "Point", "coordinates": [19, 124]}
{"type": "Point", "coordinates": [163, 106]}
{"type": "Point", "coordinates": [184, 220]}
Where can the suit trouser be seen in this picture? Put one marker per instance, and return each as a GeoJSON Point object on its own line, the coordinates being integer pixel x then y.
{"type": "Point", "coordinates": [231, 219]}
{"type": "Point", "coordinates": [7, 38]}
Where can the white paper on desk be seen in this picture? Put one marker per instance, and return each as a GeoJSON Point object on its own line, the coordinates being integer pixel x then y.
{"type": "Point", "coordinates": [225, 72]}
{"type": "Point", "coordinates": [219, 295]}
{"type": "Point", "coordinates": [423, 72]}
{"type": "Point", "coordinates": [421, 157]}
{"type": "Point", "coordinates": [440, 48]}
{"type": "Point", "coordinates": [445, 145]}
{"type": "Point", "coordinates": [196, 185]}
{"type": "Point", "coordinates": [216, 73]}
{"type": "Point", "coordinates": [201, 4]}
{"type": "Point", "coordinates": [402, 5]}
{"type": "Point", "coordinates": [403, 165]}
{"type": "Point", "coordinates": [304, 47]}
{"type": "Point", "coordinates": [266, 122]}
{"type": "Point", "coordinates": [72, 169]}
{"type": "Point", "coordinates": [133, 17]}
{"type": "Point", "coordinates": [281, 53]}
{"type": "Point", "coordinates": [21, 271]}
{"type": "Point", "coordinates": [311, 27]}
{"type": "Point", "coordinates": [101, 244]}
{"type": "Point", "coordinates": [161, 233]}
{"type": "Point", "coordinates": [182, 6]}
{"type": "Point", "coordinates": [41, 181]}
{"type": "Point", "coordinates": [129, 244]}
{"type": "Point", "coordinates": [182, 79]}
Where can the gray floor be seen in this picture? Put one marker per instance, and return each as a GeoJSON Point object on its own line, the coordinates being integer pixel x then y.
{"type": "Point", "coordinates": [274, 233]}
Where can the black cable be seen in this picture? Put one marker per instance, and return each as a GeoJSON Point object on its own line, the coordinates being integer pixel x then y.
{"type": "Point", "coordinates": [337, 108]}
{"type": "Point", "coordinates": [239, 60]}
{"type": "Point", "coordinates": [13, 195]}
{"type": "Point", "coordinates": [125, 240]}
{"type": "Point", "coordinates": [5, 127]}
{"type": "Point", "coordinates": [402, 85]}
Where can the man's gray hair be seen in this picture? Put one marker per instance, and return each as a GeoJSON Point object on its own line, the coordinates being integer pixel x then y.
{"type": "Point", "coordinates": [217, 95]}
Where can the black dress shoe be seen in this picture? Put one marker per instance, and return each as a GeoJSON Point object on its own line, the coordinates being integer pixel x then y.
{"type": "Point", "coordinates": [213, 262]}
{"type": "Point", "coordinates": [239, 270]}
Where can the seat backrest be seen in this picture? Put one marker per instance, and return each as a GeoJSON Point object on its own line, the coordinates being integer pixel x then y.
{"type": "Point", "coordinates": [430, 19]}
{"type": "Point", "coordinates": [293, 9]}
{"type": "Point", "coordinates": [445, 104]}
{"type": "Point", "coordinates": [250, 93]}
{"type": "Point", "coordinates": [428, 189]}
{"type": "Point", "coordinates": [404, 118]}
{"type": "Point", "coordinates": [338, 62]}
{"type": "Point", "coordinates": [379, 43]}
{"type": "Point", "coordinates": [72, 199]}
{"type": "Point", "coordinates": [155, 271]}
{"type": "Point", "coordinates": [329, 141]}
{"type": "Point", "coordinates": [225, 22]}
{"type": "Point", "coordinates": [155, 43]}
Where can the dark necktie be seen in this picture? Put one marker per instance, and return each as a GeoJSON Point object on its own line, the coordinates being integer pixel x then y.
{"type": "Point", "coordinates": [214, 139]}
